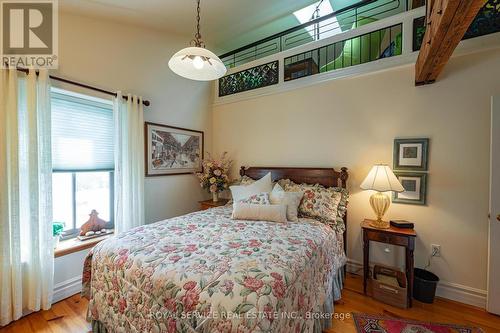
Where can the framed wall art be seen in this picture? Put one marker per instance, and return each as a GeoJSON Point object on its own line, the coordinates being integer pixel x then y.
{"type": "Point", "coordinates": [172, 150]}
{"type": "Point", "coordinates": [411, 154]}
{"type": "Point", "coordinates": [415, 185]}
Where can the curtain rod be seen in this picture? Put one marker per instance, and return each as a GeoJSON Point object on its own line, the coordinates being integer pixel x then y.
{"type": "Point", "coordinates": [57, 78]}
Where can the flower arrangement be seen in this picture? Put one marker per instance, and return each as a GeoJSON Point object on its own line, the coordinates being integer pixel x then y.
{"type": "Point", "coordinates": [214, 177]}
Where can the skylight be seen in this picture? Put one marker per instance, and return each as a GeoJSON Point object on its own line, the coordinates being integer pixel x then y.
{"type": "Point", "coordinates": [328, 27]}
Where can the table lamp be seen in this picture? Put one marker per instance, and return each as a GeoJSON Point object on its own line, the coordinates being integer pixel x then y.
{"type": "Point", "coordinates": [381, 179]}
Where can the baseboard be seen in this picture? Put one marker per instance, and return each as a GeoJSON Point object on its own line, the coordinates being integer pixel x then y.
{"type": "Point", "coordinates": [449, 290]}
{"type": "Point", "coordinates": [67, 288]}
{"type": "Point", "coordinates": [462, 294]}
{"type": "Point", "coordinates": [354, 266]}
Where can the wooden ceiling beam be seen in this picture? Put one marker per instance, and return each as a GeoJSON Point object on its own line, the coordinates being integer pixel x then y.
{"type": "Point", "coordinates": [447, 21]}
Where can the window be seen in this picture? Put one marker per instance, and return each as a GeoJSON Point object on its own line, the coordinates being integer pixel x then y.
{"type": "Point", "coordinates": [76, 194]}
{"type": "Point", "coordinates": [327, 28]}
{"type": "Point", "coordinates": [82, 159]}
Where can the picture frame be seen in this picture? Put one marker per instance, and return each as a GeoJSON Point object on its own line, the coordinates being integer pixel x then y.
{"type": "Point", "coordinates": [411, 154]}
{"type": "Point", "coordinates": [415, 185]}
{"type": "Point", "coordinates": [171, 150]}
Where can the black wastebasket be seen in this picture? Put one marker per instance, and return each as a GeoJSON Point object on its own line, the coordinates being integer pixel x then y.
{"type": "Point", "coordinates": [424, 285]}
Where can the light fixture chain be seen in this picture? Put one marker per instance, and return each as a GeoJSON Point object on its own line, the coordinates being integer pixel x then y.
{"type": "Point", "coordinates": [198, 42]}
{"type": "Point", "coordinates": [198, 10]}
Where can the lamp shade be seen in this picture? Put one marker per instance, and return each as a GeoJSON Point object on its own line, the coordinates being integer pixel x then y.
{"type": "Point", "coordinates": [197, 63]}
{"type": "Point", "coordinates": [382, 179]}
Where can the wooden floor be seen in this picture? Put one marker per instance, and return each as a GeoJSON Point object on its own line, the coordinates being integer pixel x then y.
{"type": "Point", "coordinates": [441, 311]}
{"type": "Point", "coordinates": [69, 314]}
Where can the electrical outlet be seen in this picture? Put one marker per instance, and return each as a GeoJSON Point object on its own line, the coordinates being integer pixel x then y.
{"type": "Point", "coordinates": [435, 250]}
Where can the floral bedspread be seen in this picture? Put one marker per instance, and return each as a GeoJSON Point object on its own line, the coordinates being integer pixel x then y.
{"type": "Point", "coordinates": [204, 272]}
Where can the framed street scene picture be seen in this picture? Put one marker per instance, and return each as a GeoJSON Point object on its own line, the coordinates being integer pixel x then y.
{"type": "Point", "coordinates": [172, 150]}
{"type": "Point", "coordinates": [415, 185]}
{"type": "Point", "coordinates": [411, 154]}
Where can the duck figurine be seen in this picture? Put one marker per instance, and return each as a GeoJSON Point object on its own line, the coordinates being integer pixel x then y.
{"type": "Point", "coordinates": [93, 224]}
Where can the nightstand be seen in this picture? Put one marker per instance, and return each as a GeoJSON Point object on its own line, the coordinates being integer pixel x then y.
{"type": "Point", "coordinates": [207, 204]}
{"type": "Point", "coordinates": [393, 236]}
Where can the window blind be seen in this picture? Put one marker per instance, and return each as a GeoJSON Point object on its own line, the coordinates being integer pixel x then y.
{"type": "Point", "coordinates": [82, 133]}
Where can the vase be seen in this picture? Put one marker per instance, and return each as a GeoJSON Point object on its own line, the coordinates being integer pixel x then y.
{"type": "Point", "coordinates": [215, 196]}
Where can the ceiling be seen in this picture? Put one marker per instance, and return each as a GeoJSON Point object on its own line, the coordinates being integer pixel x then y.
{"type": "Point", "coordinates": [223, 22]}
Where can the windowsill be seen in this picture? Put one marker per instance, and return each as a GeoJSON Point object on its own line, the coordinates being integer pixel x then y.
{"type": "Point", "coordinates": [75, 245]}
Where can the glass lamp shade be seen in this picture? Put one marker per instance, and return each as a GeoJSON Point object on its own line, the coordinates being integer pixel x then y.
{"type": "Point", "coordinates": [197, 63]}
{"type": "Point", "coordinates": [382, 179]}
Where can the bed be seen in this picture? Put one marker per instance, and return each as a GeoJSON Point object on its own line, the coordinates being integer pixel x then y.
{"type": "Point", "coordinates": [203, 272]}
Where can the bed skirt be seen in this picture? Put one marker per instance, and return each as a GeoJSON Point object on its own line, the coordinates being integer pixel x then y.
{"type": "Point", "coordinates": [98, 327]}
{"type": "Point", "coordinates": [319, 324]}
{"type": "Point", "coordinates": [328, 306]}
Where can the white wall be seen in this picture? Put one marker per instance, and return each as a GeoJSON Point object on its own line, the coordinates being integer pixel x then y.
{"type": "Point", "coordinates": [352, 122]}
{"type": "Point", "coordinates": [115, 56]}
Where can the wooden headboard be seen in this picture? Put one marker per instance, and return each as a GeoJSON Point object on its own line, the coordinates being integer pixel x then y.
{"type": "Point", "coordinates": [324, 176]}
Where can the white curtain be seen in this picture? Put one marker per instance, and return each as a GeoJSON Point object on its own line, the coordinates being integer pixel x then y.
{"type": "Point", "coordinates": [26, 243]}
{"type": "Point", "coordinates": [129, 162]}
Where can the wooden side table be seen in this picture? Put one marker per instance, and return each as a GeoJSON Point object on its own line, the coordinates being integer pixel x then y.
{"type": "Point", "coordinates": [393, 236]}
{"type": "Point", "coordinates": [207, 204]}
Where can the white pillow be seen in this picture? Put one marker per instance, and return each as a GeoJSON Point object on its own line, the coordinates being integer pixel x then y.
{"type": "Point", "coordinates": [256, 212]}
{"type": "Point", "coordinates": [290, 199]}
{"type": "Point", "coordinates": [240, 192]}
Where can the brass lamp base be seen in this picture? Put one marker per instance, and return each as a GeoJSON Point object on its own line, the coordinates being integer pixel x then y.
{"type": "Point", "coordinates": [380, 204]}
{"type": "Point", "coordinates": [380, 224]}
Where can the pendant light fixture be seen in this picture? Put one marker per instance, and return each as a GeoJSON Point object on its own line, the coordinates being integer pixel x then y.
{"type": "Point", "coordinates": [196, 62]}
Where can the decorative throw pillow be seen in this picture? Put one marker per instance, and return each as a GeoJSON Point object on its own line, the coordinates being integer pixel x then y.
{"type": "Point", "coordinates": [290, 199]}
{"type": "Point", "coordinates": [245, 180]}
{"type": "Point", "coordinates": [342, 208]}
{"type": "Point", "coordinates": [240, 192]}
{"type": "Point", "coordinates": [320, 203]}
{"type": "Point", "coordinates": [272, 213]}
{"type": "Point", "coordinates": [325, 204]}
{"type": "Point", "coordinates": [257, 199]}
